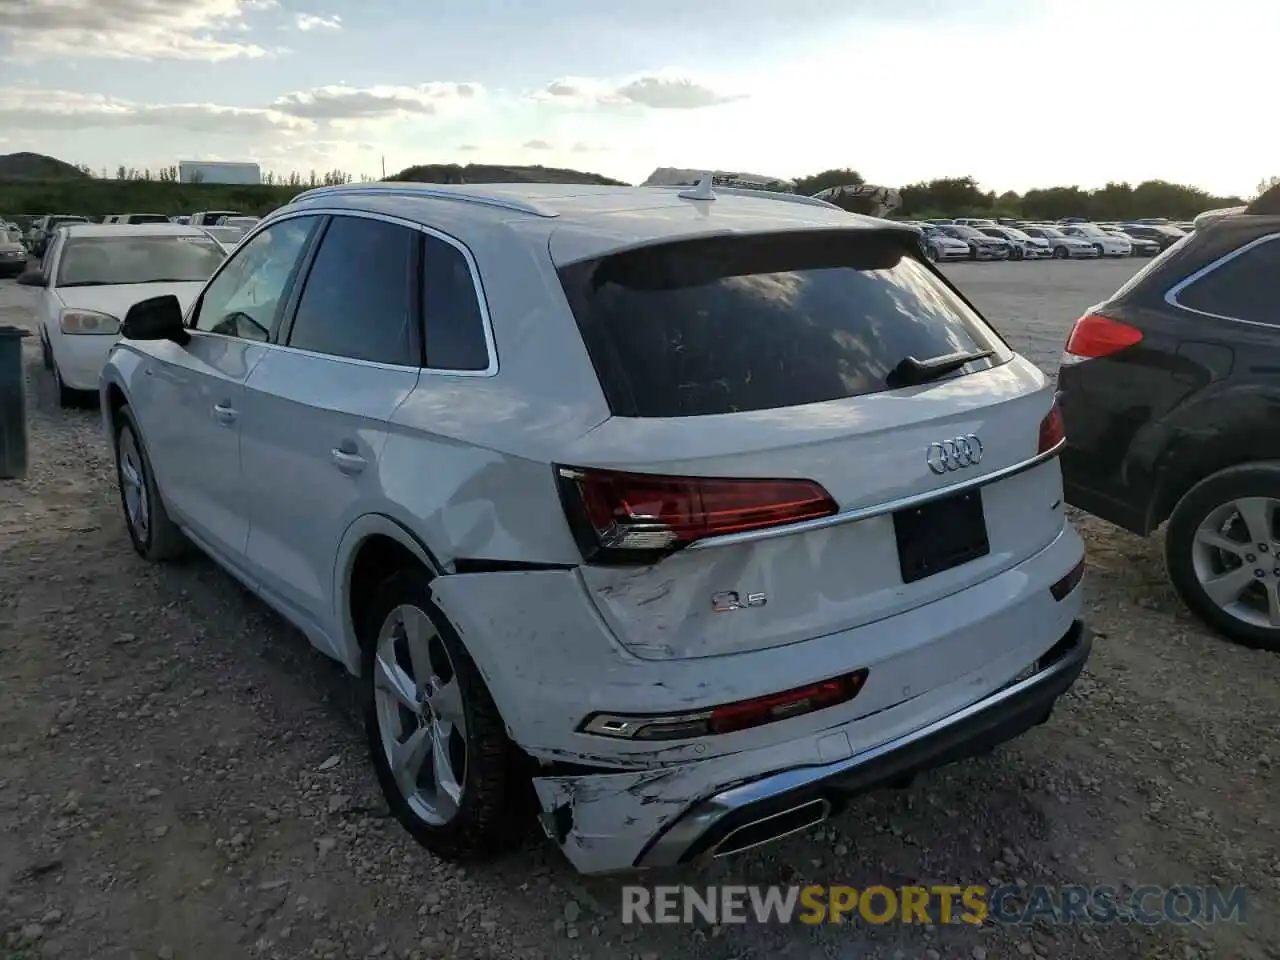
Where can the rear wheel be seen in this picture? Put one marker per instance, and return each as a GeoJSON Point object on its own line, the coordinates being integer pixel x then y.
{"type": "Point", "coordinates": [1222, 550]}
{"type": "Point", "coordinates": [436, 740]}
{"type": "Point", "coordinates": [1060, 253]}
{"type": "Point", "coordinates": [46, 355]}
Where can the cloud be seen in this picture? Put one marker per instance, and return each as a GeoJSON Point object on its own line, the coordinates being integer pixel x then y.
{"type": "Point", "coordinates": [24, 108]}
{"type": "Point", "coordinates": [658, 91]}
{"type": "Point", "coordinates": [672, 93]}
{"type": "Point", "coordinates": [341, 102]}
{"type": "Point", "coordinates": [310, 21]}
{"type": "Point", "coordinates": [129, 29]}
{"type": "Point", "coordinates": [536, 145]}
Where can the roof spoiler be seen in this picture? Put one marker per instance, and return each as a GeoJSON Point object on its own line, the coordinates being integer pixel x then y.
{"type": "Point", "coordinates": [1211, 215]}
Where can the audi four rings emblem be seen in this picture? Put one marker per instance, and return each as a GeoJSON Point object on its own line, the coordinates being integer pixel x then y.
{"type": "Point", "coordinates": [954, 454]}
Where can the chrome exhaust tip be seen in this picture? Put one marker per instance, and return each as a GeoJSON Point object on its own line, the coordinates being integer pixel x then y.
{"type": "Point", "coordinates": [757, 833]}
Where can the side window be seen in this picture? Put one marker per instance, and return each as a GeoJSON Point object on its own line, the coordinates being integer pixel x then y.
{"type": "Point", "coordinates": [451, 309]}
{"type": "Point", "coordinates": [358, 301]}
{"type": "Point", "coordinates": [1246, 287]}
{"type": "Point", "coordinates": [243, 299]}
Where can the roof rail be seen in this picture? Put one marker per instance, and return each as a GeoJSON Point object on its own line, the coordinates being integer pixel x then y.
{"type": "Point", "coordinates": [688, 194]}
{"type": "Point", "coordinates": [433, 191]}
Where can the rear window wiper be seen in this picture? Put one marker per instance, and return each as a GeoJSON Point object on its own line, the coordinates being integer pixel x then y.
{"type": "Point", "coordinates": [910, 371]}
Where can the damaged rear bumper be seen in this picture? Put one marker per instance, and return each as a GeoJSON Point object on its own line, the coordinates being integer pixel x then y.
{"type": "Point", "coordinates": [766, 808]}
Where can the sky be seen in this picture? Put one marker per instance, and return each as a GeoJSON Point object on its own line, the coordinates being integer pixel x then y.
{"type": "Point", "coordinates": [1017, 93]}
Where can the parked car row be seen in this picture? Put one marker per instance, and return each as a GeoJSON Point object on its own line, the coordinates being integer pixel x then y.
{"type": "Point", "coordinates": [973, 238]}
{"type": "Point", "coordinates": [38, 237]}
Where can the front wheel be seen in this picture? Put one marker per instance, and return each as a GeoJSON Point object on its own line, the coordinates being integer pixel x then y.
{"type": "Point", "coordinates": [1222, 551]}
{"type": "Point", "coordinates": [1060, 253]}
{"type": "Point", "coordinates": [436, 740]}
{"type": "Point", "coordinates": [154, 536]}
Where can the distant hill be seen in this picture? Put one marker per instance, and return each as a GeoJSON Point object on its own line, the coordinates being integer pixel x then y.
{"type": "Point", "coordinates": [36, 166]}
{"type": "Point", "coordinates": [492, 173]}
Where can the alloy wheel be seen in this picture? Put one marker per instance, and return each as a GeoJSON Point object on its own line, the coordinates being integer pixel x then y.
{"type": "Point", "coordinates": [133, 482]}
{"type": "Point", "coordinates": [421, 714]}
{"type": "Point", "coordinates": [1236, 558]}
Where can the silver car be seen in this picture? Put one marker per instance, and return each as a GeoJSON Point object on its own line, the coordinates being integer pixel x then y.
{"type": "Point", "coordinates": [1063, 246]}
{"type": "Point", "coordinates": [1023, 245]}
{"type": "Point", "coordinates": [677, 509]}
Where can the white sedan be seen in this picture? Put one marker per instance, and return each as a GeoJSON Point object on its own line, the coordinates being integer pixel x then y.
{"type": "Point", "coordinates": [1107, 244]}
{"type": "Point", "coordinates": [92, 274]}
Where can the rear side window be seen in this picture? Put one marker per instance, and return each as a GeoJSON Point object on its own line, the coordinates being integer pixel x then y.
{"type": "Point", "coordinates": [451, 309]}
{"type": "Point", "coordinates": [754, 323]}
{"type": "Point", "coordinates": [1245, 286]}
{"type": "Point", "coordinates": [358, 301]}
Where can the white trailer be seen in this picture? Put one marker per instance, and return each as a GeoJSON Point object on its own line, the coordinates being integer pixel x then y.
{"type": "Point", "coordinates": [193, 171]}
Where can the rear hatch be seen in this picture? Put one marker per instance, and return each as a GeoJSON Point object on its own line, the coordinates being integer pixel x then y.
{"type": "Point", "coordinates": [734, 361]}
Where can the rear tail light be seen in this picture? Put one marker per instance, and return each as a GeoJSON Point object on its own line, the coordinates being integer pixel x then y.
{"type": "Point", "coordinates": [1095, 336]}
{"type": "Point", "coordinates": [1052, 430]}
{"type": "Point", "coordinates": [729, 717]}
{"type": "Point", "coordinates": [635, 517]}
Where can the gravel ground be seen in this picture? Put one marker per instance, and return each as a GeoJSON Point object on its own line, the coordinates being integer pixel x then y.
{"type": "Point", "coordinates": [181, 776]}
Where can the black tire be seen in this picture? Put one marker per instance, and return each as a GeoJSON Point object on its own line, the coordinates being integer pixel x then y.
{"type": "Point", "coordinates": [46, 355]}
{"type": "Point", "coordinates": [1214, 495]}
{"type": "Point", "coordinates": [1101, 252]}
{"type": "Point", "coordinates": [1060, 253]}
{"type": "Point", "coordinates": [489, 817]}
{"type": "Point", "coordinates": [159, 538]}
{"type": "Point", "coordinates": [66, 396]}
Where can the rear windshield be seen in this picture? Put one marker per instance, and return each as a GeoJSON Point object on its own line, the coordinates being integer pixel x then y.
{"type": "Point", "coordinates": [754, 323]}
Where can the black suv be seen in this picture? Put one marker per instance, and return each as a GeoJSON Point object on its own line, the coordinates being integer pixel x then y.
{"type": "Point", "coordinates": [1162, 233]}
{"type": "Point", "coordinates": [1170, 395]}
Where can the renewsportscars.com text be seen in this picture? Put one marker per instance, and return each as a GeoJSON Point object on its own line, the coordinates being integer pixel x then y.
{"type": "Point", "coordinates": [973, 904]}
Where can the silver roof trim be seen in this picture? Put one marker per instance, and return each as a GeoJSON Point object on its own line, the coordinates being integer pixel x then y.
{"type": "Point", "coordinates": [427, 191]}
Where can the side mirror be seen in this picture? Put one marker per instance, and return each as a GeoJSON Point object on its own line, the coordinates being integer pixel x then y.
{"type": "Point", "coordinates": [159, 318]}
{"type": "Point", "coordinates": [33, 278]}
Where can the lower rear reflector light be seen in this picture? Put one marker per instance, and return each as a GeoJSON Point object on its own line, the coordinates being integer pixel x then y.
{"type": "Point", "coordinates": [1063, 587]}
{"type": "Point", "coordinates": [729, 717]}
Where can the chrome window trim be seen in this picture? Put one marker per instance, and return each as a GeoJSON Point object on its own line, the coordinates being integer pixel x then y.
{"type": "Point", "coordinates": [1171, 295]}
{"type": "Point", "coordinates": [879, 509]}
{"type": "Point", "coordinates": [486, 321]}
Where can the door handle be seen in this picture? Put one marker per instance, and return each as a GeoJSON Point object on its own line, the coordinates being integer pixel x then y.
{"type": "Point", "coordinates": [348, 461]}
{"type": "Point", "coordinates": [225, 414]}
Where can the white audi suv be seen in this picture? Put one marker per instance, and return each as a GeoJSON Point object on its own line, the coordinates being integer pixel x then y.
{"type": "Point", "coordinates": [699, 510]}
